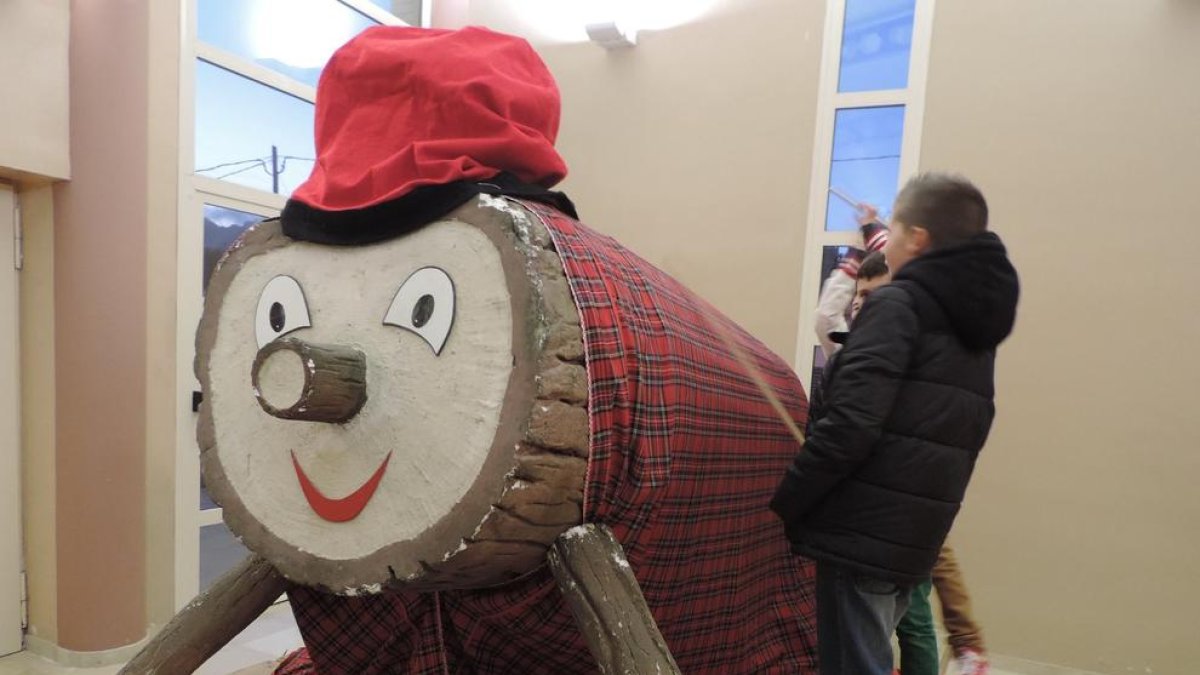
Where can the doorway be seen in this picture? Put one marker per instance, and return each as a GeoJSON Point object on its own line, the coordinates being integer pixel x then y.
{"type": "Point", "coordinates": [10, 429]}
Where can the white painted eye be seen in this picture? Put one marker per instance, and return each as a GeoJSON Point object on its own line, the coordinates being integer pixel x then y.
{"type": "Point", "coordinates": [425, 306]}
{"type": "Point", "coordinates": [281, 310]}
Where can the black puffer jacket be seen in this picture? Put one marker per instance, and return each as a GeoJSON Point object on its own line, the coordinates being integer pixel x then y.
{"type": "Point", "coordinates": [908, 407]}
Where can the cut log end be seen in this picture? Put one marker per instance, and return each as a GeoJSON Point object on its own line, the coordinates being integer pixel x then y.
{"type": "Point", "coordinates": [517, 499]}
{"type": "Point", "coordinates": [318, 383]}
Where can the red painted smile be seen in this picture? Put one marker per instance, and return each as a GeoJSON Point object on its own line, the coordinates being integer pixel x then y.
{"type": "Point", "coordinates": [346, 508]}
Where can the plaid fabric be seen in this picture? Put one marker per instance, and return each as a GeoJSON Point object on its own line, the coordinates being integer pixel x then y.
{"type": "Point", "coordinates": [295, 663]}
{"type": "Point", "coordinates": [686, 453]}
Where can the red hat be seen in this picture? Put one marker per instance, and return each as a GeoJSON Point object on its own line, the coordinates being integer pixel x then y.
{"type": "Point", "coordinates": [401, 108]}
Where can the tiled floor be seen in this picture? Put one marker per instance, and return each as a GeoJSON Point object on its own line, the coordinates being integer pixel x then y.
{"type": "Point", "coordinates": [265, 640]}
{"type": "Point", "coordinates": [275, 633]}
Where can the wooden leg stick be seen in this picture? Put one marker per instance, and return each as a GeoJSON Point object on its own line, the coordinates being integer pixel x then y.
{"type": "Point", "coordinates": [608, 604]}
{"type": "Point", "coordinates": [210, 621]}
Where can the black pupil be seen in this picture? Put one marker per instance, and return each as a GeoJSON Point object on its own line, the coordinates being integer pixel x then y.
{"type": "Point", "coordinates": [278, 317]}
{"type": "Point", "coordinates": [422, 311]}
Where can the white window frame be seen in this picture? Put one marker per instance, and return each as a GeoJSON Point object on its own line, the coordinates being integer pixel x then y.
{"type": "Point", "coordinates": [386, 18]}
{"type": "Point", "coordinates": [196, 191]}
{"type": "Point", "coordinates": [829, 102]}
{"type": "Point", "coordinates": [190, 304]}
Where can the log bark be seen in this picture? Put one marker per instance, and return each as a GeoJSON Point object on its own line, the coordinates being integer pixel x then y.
{"type": "Point", "coordinates": [563, 382]}
{"type": "Point", "coordinates": [560, 427]}
{"type": "Point", "coordinates": [335, 382]}
{"type": "Point", "coordinates": [607, 603]}
{"type": "Point", "coordinates": [210, 621]}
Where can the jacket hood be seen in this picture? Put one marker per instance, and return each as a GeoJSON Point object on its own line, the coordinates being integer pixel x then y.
{"type": "Point", "coordinates": [975, 285]}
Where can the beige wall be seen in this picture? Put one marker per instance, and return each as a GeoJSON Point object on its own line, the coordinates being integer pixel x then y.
{"type": "Point", "coordinates": [694, 148]}
{"type": "Point", "coordinates": [100, 294]}
{"type": "Point", "coordinates": [98, 340]}
{"type": "Point", "coordinates": [1081, 122]}
{"type": "Point", "coordinates": [33, 88]}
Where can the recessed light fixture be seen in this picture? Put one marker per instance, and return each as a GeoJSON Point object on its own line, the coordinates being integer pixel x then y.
{"type": "Point", "coordinates": [611, 35]}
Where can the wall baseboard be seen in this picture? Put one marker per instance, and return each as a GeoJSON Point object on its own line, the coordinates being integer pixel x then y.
{"type": "Point", "coordinates": [67, 657]}
{"type": "Point", "coordinates": [48, 650]}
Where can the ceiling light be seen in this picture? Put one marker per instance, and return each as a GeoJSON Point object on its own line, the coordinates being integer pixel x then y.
{"type": "Point", "coordinates": [612, 35]}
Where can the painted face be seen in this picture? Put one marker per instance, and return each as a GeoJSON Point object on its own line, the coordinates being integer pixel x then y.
{"type": "Point", "coordinates": [430, 319]}
{"type": "Point", "coordinates": [361, 402]}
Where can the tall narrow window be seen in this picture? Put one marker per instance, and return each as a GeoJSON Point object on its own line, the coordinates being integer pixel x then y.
{"type": "Point", "coordinates": [876, 45]}
{"type": "Point", "coordinates": [866, 161]}
{"type": "Point", "coordinates": [869, 112]}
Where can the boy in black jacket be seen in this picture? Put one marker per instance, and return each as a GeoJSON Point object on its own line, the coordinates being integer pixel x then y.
{"type": "Point", "coordinates": [882, 474]}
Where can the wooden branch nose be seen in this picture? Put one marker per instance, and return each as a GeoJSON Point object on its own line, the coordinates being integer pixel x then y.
{"type": "Point", "coordinates": [296, 380]}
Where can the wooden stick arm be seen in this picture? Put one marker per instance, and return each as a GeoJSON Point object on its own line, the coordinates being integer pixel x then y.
{"type": "Point", "coordinates": [607, 603]}
{"type": "Point", "coordinates": [210, 621]}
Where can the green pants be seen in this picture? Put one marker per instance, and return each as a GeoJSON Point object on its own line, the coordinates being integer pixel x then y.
{"type": "Point", "coordinates": [918, 641]}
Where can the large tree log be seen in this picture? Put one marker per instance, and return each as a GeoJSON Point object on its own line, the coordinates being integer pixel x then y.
{"type": "Point", "coordinates": [210, 621]}
{"type": "Point", "coordinates": [608, 604]}
{"type": "Point", "coordinates": [467, 458]}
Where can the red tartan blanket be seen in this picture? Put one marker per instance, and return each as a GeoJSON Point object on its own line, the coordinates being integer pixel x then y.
{"type": "Point", "coordinates": [686, 453]}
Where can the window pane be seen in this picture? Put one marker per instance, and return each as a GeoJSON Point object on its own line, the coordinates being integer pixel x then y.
{"type": "Point", "coordinates": [206, 501]}
{"type": "Point", "coordinates": [238, 124]}
{"type": "Point", "coordinates": [408, 11]}
{"type": "Point", "coordinates": [222, 227]}
{"type": "Point", "coordinates": [292, 37]}
{"type": "Point", "coordinates": [866, 161]}
{"type": "Point", "coordinates": [829, 258]}
{"type": "Point", "coordinates": [876, 42]}
{"type": "Point", "coordinates": [220, 551]}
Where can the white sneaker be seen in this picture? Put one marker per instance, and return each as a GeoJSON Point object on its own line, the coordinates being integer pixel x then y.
{"type": "Point", "coordinates": [971, 662]}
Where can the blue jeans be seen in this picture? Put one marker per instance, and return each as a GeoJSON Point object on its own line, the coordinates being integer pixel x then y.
{"type": "Point", "coordinates": [856, 616]}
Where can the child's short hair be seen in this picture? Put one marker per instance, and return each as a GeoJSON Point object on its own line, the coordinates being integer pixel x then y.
{"type": "Point", "coordinates": [949, 207]}
{"type": "Point", "coordinates": [873, 266]}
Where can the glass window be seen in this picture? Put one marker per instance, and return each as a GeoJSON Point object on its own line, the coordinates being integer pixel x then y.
{"type": "Point", "coordinates": [220, 551]}
{"type": "Point", "coordinates": [876, 43]}
{"type": "Point", "coordinates": [830, 255]}
{"type": "Point", "coordinates": [222, 227]}
{"type": "Point", "coordinates": [408, 11]}
{"type": "Point", "coordinates": [249, 133]}
{"type": "Point", "coordinates": [866, 162]}
{"type": "Point", "coordinates": [291, 37]}
{"type": "Point", "coordinates": [206, 501]}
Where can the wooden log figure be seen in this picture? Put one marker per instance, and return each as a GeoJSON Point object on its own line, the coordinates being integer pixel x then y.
{"type": "Point", "coordinates": [427, 378]}
{"type": "Point", "coordinates": [398, 388]}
